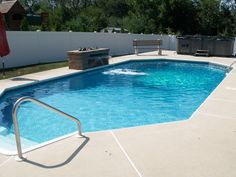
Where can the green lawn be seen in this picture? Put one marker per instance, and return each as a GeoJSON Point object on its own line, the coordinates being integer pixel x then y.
{"type": "Point", "coordinates": [31, 69]}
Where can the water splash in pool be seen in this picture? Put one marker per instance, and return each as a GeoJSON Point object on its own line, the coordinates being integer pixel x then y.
{"type": "Point", "coordinates": [124, 72]}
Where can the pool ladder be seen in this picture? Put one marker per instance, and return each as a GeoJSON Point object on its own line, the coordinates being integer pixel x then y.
{"type": "Point", "coordinates": [42, 104]}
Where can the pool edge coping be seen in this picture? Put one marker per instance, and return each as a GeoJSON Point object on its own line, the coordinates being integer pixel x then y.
{"type": "Point", "coordinates": [113, 64]}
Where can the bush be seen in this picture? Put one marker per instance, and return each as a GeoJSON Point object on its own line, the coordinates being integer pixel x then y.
{"type": "Point", "coordinates": [43, 27]}
{"type": "Point", "coordinates": [24, 25]}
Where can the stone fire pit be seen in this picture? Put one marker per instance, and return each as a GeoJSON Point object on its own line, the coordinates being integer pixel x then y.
{"type": "Point", "coordinates": [85, 58]}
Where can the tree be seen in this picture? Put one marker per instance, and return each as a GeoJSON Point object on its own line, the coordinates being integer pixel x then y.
{"type": "Point", "coordinates": [32, 6]}
{"type": "Point", "coordinates": [135, 23]}
{"type": "Point", "coordinates": [207, 17]}
{"type": "Point", "coordinates": [208, 13]}
{"type": "Point", "coordinates": [178, 16]}
{"type": "Point", "coordinates": [96, 18]}
{"type": "Point", "coordinates": [56, 19]}
{"type": "Point", "coordinates": [116, 8]}
{"type": "Point", "coordinates": [227, 26]}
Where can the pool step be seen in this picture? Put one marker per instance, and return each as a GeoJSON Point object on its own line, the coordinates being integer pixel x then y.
{"type": "Point", "coordinates": [202, 53]}
{"type": "Point", "coordinates": [3, 131]}
{"type": "Point", "coordinates": [8, 142]}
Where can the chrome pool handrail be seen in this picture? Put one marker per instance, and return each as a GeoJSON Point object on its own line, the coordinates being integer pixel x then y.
{"type": "Point", "coordinates": [40, 103]}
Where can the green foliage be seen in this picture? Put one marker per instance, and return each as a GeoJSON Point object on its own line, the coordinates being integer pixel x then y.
{"type": "Point", "coordinates": [116, 8]}
{"type": "Point", "coordinates": [122, 30]}
{"type": "Point", "coordinates": [78, 24]}
{"type": "Point", "coordinates": [56, 19]}
{"type": "Point", "coordinates": [95, 17]}
{"type": "Point", "coordinates": [209, 16]}
{"type": "Point", "coordinates": [135, 23]}
{"type": "Point", "coordinates": [227, 27]}
{"type": "Point", "coordinates": [43, 27]}
{"type": "Point", "coordinates": [24, 25]}
{"type": "Point", "coordinates": [206, 17]}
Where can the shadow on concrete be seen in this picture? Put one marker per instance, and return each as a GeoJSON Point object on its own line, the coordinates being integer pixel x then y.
{"type": "Point", "coordinates": [68, 160]}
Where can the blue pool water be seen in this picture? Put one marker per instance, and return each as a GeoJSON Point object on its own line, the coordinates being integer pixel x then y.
{"type": "Point", "coordinates": [124, 95]}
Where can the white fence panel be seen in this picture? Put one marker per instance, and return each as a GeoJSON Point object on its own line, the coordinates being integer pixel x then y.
{"type": "Point", "coordinates": [29, 48]}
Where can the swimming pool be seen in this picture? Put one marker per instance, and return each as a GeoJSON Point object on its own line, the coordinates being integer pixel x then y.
{"type": "Point", "coordinates": [125, 95]}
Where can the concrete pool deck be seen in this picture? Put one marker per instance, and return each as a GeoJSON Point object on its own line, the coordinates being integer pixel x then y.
{"type": "Point", "coordinates": [203, 146]}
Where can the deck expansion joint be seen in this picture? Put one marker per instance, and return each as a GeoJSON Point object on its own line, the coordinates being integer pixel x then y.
{"type": "Point", "coordinates": [4, 162]}
{"type": "Point", "coordinates": [126, 154]}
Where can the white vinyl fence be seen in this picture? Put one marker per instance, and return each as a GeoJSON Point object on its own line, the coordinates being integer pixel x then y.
{"type": "Point", "coordinates": [29, 48]}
